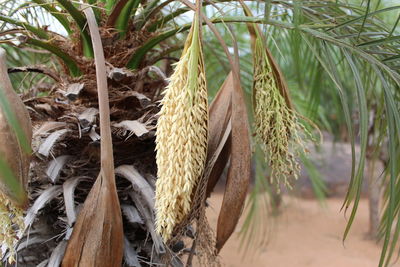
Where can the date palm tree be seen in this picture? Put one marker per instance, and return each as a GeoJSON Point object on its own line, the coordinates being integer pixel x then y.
{"type": "Point", "coordinates": [116, 178]}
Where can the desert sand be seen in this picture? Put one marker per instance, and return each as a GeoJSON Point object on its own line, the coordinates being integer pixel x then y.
{"type": "Point", "coordinates": [305, 233]}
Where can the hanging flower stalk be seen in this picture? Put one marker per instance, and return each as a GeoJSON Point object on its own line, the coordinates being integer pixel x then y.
{"type": "Point", "coordinates": [182, 131]}
{"type": "Point", "coordinates": [277, 125]}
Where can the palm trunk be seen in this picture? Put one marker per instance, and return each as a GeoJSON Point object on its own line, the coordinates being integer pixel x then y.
{"type": "Point", "coordinates": [374, 190]}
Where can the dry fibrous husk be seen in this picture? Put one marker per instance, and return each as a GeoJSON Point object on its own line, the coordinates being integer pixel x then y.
{"type": "Point", "coordinates": [181, 137]}
{"type": "Point", "coordinates": [15, 141]}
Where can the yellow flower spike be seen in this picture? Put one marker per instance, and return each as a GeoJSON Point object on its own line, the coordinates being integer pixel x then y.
{"type": "Point", "coordinates": [181, 137]}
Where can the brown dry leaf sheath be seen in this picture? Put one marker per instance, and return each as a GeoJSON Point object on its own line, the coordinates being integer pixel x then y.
{"type": "Point", "coordinates": [220, 115]}
{"type": "Point", "coordinates": [239, 170]}
{"type": "Point", "coordinates": [10, 149]}
{"type": "Point", "coordinates": [97, 239]}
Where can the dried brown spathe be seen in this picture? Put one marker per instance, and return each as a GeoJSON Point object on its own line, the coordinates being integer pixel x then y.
{"type": "Point", "coordinates": [15, 158]}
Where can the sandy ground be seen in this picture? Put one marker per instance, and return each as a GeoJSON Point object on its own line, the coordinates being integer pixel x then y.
{"type": "Point", "coordinates": [306, 234]}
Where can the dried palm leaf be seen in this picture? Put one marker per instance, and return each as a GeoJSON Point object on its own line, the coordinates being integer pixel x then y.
{"type": "Point", "coordinates": [97, 238]}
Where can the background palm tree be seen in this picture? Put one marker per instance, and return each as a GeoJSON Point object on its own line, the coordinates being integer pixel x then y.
{"type": "Point", "coordinates": [340, 59]}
